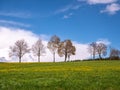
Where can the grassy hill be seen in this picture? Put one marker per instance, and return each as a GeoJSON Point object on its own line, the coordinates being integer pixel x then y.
{"type": "Point", "coordinates": [84, 75]}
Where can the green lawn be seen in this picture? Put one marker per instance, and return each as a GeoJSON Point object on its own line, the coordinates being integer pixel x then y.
{"type": "Point", "coordinates": [84, 75]}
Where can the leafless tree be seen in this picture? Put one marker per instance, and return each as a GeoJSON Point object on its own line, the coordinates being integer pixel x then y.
{"type": "Point", "coordinates": [19, 49]}
{"type": "Point", "coordinates": [38, 49]}
{"type": "Point", "coordinates": [101, 49]}
{"type": "Point", "coordinates": [92, 49]}
{"type": "Point", "coordinates": [114, 53]}
{"type": "Point", "coordinates": [53, 45]}
{"type": "Point", "coordinates": [66, 49]}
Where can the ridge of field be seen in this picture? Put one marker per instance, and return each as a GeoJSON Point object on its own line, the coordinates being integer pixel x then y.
{"type": "Point", "coordinates": [84, 75]}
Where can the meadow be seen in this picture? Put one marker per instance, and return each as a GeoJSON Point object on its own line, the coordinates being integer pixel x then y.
{"type": "Point", "coordinates": [83, 75]}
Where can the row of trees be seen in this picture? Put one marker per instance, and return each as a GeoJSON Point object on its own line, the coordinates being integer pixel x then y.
{"type": "Point", "coordinates": [100, 49]}
{"type": "Point", "coordinates": [97, 49]}
{"type": "Point", "coordinates": [62, 48]}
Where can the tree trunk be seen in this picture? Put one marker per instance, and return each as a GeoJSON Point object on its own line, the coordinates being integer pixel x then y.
{"type": "Point", "coordinates": [54, 57]}
{"type": "Point", "coordinates": [20, 59]}
{"type": "Point", "coordinates": [20, 56]}
{"type": "Point", "coordinates": [68, 57]}
{"type": "Point", "coordinates": [38, 58]}
{"type": "Point", "coordinates": [94, 55]}
{"type": "Point", "coordinates": [100, 57]}
{"type": "Point", "coordinates": [65, 56]}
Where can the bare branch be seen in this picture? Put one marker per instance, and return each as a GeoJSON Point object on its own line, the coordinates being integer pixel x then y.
{"type": "Point", "coordinates": [19, 49]}
{"type": "Point", "coordinates": [53, 45]}
{"type": "Point", "coordinates": [38, 49]}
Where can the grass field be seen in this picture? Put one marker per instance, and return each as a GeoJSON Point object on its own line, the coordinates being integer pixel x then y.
{"type": "Point", "coordinates": [84, 75]}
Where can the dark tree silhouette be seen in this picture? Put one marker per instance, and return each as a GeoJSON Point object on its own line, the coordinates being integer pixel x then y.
{"type": "Point", "coordinates": [66, 49]}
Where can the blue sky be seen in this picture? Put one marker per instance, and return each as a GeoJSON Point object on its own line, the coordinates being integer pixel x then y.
{"type": "Point", "coordinates": [83, 21]}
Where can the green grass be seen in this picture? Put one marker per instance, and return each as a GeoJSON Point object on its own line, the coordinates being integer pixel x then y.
{"type": "Point", "coordinates": [84, 75]}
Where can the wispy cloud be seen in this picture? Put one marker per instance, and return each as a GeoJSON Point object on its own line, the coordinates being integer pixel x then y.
{"type": "Point", "coordinates": [64, 9]}
{"type": "Point", "coordinates": [99, 1]}
{"type": "Point", "coordinates": [67, 16]}
{"type": "Point", "coordinates": [111, 9]}
{"type": "Point", "coordinates": [67, 8]}
{"type": "Point", "coordinates": [75, 7]}
{"type": "Point", "coordinates": [13, 23]}
{"type": "Point", "coordinates": [16, 14]}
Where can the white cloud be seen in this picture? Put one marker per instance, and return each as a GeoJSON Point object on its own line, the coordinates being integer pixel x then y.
{"type": "Point", "coordinates": [75, 7]}
{"type": "Point", "coordinates": [112, 6]}
{"type": "Point", "coordinates": [67, 16]}
{"type": "Point", "coordinates": [81, 51]}
{"type": "Point", "coordinates": [81, 0]}
{"type": "Point", "coordinates": [67, 8]}
{"type": "Point", "coordinates": [10, 35]}
{"type": "Point", "coordinates": [64, 9]}
{"type": "Point", "coordinates": [16, 14]}
{"type": "Point", "coordinates": [111, 9]}
{"type": "Point", "coordinates": [105, 41]}
{"type": "Point", "coordinates": [100, 1]}
{"type": "Point", "coordinates": [6, 23]}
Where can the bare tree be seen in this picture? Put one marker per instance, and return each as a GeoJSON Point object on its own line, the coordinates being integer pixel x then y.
{"type": "Point", "coordinates": [92, 49]}
{"type": "Point", "coordinates": [19, 49]}
{"type": "Point", "coordinates": [66, 49]}
{"type": "Point", "coordinates": [101, 49]}
{"type": "Point", "coordinates": [53, 45]}
{"type": "Point", "coordinates": [114, 53]}
{"type": "Point", "coordinates": [38, 49]}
